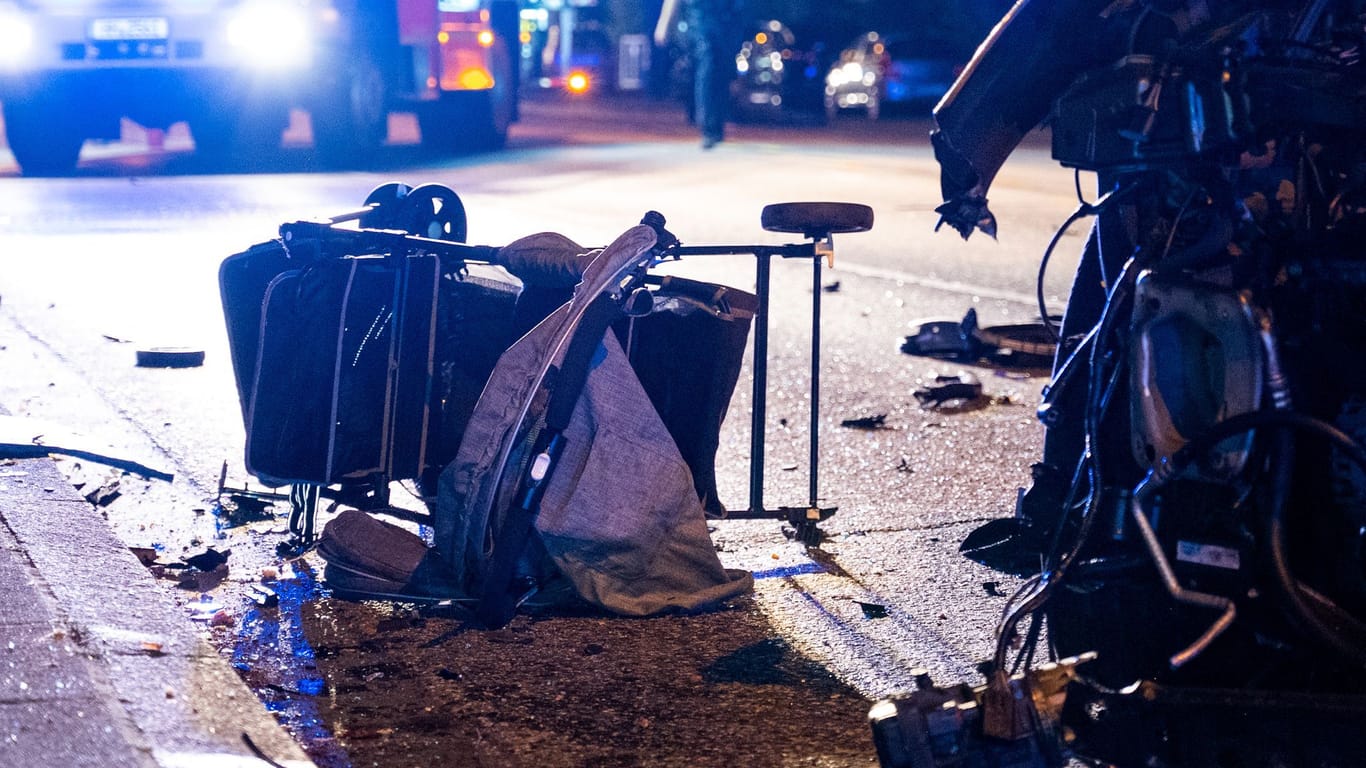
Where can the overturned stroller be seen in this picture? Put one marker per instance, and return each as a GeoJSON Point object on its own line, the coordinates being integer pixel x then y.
{"type": "Point", "coordinates": [561, 424]}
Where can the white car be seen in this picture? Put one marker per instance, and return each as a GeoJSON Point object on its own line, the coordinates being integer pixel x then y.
{"type": "Point", "coordinates": [877, 72]}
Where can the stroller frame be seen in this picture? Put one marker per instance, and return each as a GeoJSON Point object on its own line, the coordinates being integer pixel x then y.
{"type": "Point", "coordinates": [817, 222]}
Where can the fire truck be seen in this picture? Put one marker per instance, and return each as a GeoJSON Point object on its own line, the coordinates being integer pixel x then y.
{"type": "Point", "coordinates": [71, 70]}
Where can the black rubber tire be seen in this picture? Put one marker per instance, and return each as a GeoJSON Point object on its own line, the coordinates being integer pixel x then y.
{"type": "Point", "coordinates": [433, 211]}
{"type": "Point", "coordinates": [170, 357]}
{"type": "Point", "coordinates": [386, 199]}
{"type": "Point", "coordinates": [817, 219]}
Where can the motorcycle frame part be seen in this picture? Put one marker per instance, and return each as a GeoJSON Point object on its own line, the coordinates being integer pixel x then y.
{"type": "Point", "coordinates": [1193, 726]}
{"type": "Point", "coordinates": [1187, 339]}
{"type": "Point", "coordinates": [1007, 88]}
{"type": "Point", "coordinates": [936, 726]}
{"type": "Point", "coordinates": [1337, 636]}
{"type": "Point", "coordinates": [1100, 391]}
{"type": "Point", "coordinates": [1034, 593]}
{"type": "Point", "coordinates": [1228, 608]}
{"type": "Point", "coordinates": [1249, 332]}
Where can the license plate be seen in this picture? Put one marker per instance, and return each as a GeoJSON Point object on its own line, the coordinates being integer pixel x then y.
{"type": "Point", "coordinates": [135, 28]}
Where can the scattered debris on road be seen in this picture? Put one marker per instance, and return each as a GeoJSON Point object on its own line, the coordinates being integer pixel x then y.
{"type": "Point", "coordinates": [170, 357]}
{"type": "Point", "coordinates": [873, 610]}
{"type": "Point", "coordinates": [954, 390]}
{"type": "Point", "coordinates": [263, 596]}
{"type": "Point", "coordinates": [208, 560]}
{"type": "Point", "coordinates": [877, 421]}
{"type": "Point", "coordinates": [1018, 346]}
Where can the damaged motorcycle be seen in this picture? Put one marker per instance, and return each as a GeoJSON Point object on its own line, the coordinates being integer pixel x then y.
{"type": "Point", "coordinates": [1197, 523]}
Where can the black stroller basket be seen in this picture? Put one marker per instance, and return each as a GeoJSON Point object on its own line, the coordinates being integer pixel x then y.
{"type": "Point", "coordinates": [358, 352]}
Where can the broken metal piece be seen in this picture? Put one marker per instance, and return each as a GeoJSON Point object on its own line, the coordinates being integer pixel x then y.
{"type": "Point", "coordinates": [263, 596]}
{"type": "Point", "coordinates": [1019, 346]}
{"type": "Point", "coordinates": [877, 421]}
{"type": "Point", "coordinates": [873, 610]}
{"type": "Point", "coordinates": [961, 387]}
{"type": "Point", "coordinates": [207, 560]}
{"type": "Point", "coordinates": [946, 339]}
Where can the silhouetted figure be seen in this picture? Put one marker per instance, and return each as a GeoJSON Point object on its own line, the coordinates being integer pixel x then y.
{"type": "Point", "coordinates": [711, 29]}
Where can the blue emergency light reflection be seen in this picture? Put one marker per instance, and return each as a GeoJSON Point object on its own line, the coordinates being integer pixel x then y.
{"type": "Point", "coordinates": [275, 636]}
{"type": "Point", "coordinates": [788, 572]}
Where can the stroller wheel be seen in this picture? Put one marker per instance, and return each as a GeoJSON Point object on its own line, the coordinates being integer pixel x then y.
{"type": "Point", "coordinates": [433, 211]}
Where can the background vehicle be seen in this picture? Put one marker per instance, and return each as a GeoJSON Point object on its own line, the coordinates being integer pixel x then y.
{"type": "Point", "coordinates": [233, 70]}
{"type": "Point", "coordinates": [777, 73]}
{"type": "Point", "coordinates": [566, 48]}
{"type": "Point", "coordinates": [879, 71]}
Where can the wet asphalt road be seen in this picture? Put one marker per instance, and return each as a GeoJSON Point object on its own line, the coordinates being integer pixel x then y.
{"type": "Point", "coordinates": [125, 254]}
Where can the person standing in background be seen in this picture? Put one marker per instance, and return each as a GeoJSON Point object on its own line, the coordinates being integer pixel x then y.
{"type": "Point", "coordinates": [710, 25]}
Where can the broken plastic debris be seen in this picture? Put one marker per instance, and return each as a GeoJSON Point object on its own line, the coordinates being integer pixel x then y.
{"type": "Point", "coordinates": [873, 610]}
{"type": "Point", "coordinates": [1025, 345]}
{"type": "Point", "coordinates": [877, 421]}
{"type": "Point", "coordinates": [208, 560]}
{"type": "Point", "coordinates": [146, 555]}
{"type": "Point", "coordinates": [263, 595]}
{"type": "Point", "coordinates": [104, 495]}
{"type": "Point", "coordinates": [205, 608]}
{"type": "Point", "coordinates": [961, 388]}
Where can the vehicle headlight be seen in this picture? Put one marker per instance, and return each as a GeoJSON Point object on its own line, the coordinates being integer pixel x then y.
{"type": "Point", "coordinates": [16, 37]}
{"type": "Point", "coordinates": [271, 36]}
{"type": "Point", "coordinates": [849, 72]}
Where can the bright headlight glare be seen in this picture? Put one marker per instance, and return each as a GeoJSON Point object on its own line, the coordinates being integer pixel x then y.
{"type": "Point", "coordinates": [270, 36]}
{"type": "Point", "coordinates": [16, 37]}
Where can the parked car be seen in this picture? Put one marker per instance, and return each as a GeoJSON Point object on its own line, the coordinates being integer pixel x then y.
{"type": "Point", "coordinates": [776, 74]}
{"type": "Point", "coordinates": [879, 71]}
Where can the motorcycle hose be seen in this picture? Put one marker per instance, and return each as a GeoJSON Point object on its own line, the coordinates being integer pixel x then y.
{"type": "Point", "coordinates": [1310, 617]}
{"type": "Point", "coordinates": [1098, 397]}
{"type": "Point", "coordinates": [1084, 209]}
